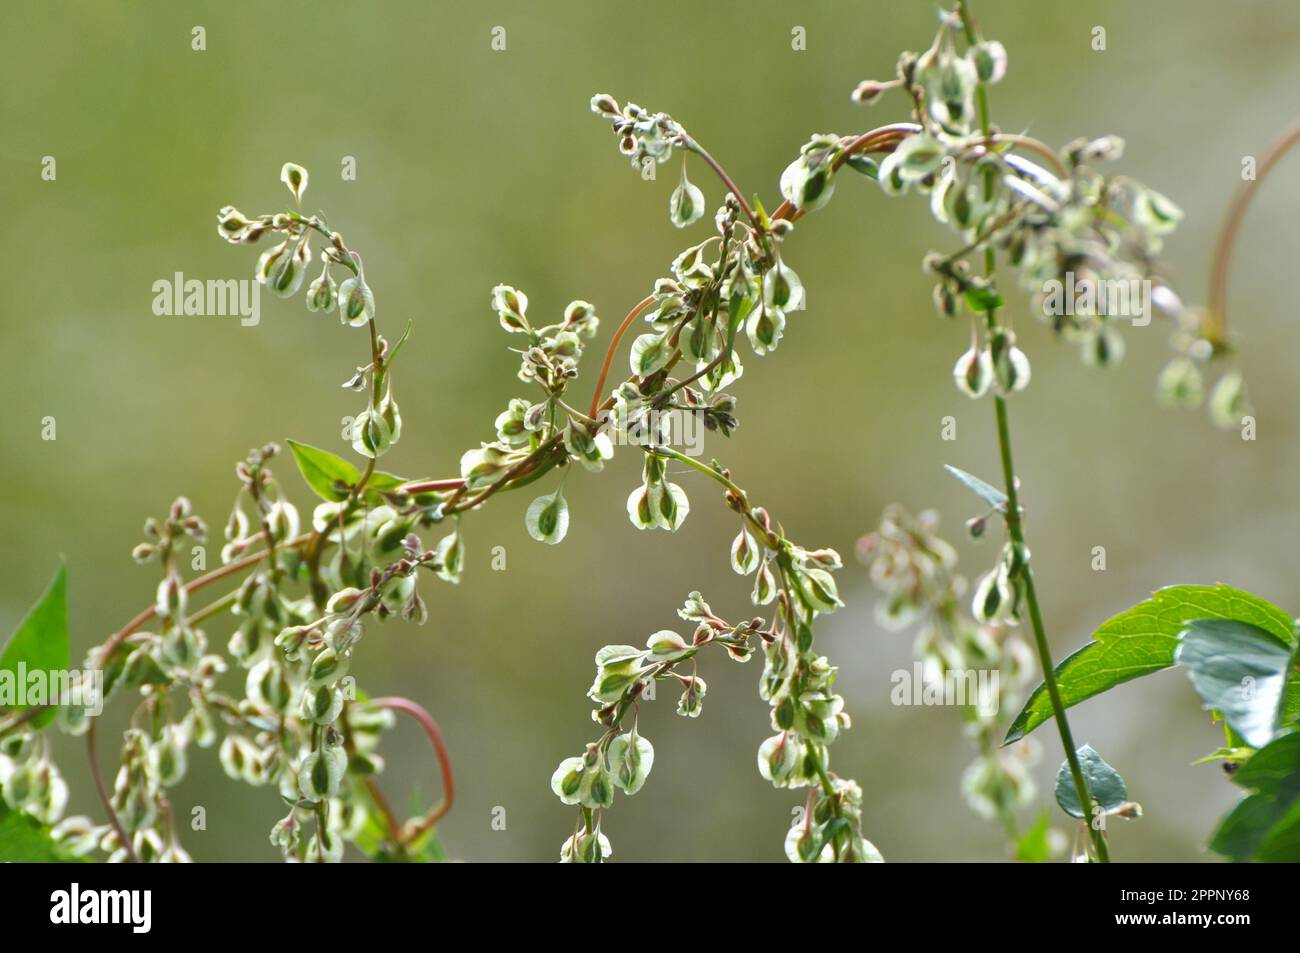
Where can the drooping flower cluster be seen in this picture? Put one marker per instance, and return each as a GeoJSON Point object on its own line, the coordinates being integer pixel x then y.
{"type": "Point", "coordinates": [916, 570]}
{"type": "Point", "coordinates": [796, 682]}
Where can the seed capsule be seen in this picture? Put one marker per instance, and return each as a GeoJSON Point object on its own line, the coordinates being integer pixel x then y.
{"type": "Point", "coordinates": [356, 302]}
{"type": "Point", "coordinates": [322, 293]}
{"type": "Point", "coordinates": [973, 373]}
{"type": "Point", "coordinates": [1010, 365]}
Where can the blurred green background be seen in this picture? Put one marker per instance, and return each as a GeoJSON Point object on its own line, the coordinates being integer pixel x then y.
{"type": "Point", "coordinates": [477, 167]}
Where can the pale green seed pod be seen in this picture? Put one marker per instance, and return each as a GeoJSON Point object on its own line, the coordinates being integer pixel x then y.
{"type": "Point", "coordinates": [567, 780]}
{"type": "Point", "coordinates": [993, 597]}
{"type": "Point", "coordinates": [764, 585]}
{"type": "Point", "coordinates": [745, 553]}
{"type": "Point", "coordinates": [630, 758]}
{"type": "Point", "coordinates": [391, 415]}
{"type": "Point", "coordinates": [586, 848]}
{"type": "Point", "coordinates": [990, 61]}
{"type": "Point", "coordinates": [321, 773]}
{"type": "Point", "coordinates": [597, 788]}
{"type": "Point", "coordinates": [782, 288]}
{"type": "Point", "coordinates": [328, 667]}
{"type": "Point", "coordinates": [1180, 384]}
{"type": "Point", "coordinates": [322, 293]}
{"type": "Point", "coordinates": [371, 434]}
{"type": "Point", "coordinates": [294, 177]}
{"type": "Point", "coordinates": [778, 758]}
{"type": "Point", "coordinates": [171, 599]}
{"type": "Point", "coordinates": [691, 702]}
{"type": "Point", "coordinates": [321, 704]}
{"type": "Point", "coordinates": [1010, 365]}
{"type": "Point", "coordinates": [268, 686]}
{"type": "Point", "coordinates": [166, 757]}
{"type": "Point", "coordinates": [1102, 348]}
{"type": "Point", "coordinates": [1228, 402]}
{"type": "Point", "coordinates": [973, 373]}
{"type": "Point", "coordinates": [285, 271]}
{"type": "Point", "coordinates": [324, 847]}
{"type": "Point", "coordinates": [511, 307]}
{"type": "Point", "coordinates": [356, 301]}
{"type": "Point", "coordinates": [808, 185]}
{"type": "Point", "coordinates": [232, 225]}
{"type": "Point", "coordinates": [547, 518]}
{"type": "Point", "coordinates": [686, 204]}
{"type": "Point", "coordinates": [640, 508]}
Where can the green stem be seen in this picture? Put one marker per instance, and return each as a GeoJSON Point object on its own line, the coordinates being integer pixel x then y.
{"type": "Point", "coordinates": [1016, 530]}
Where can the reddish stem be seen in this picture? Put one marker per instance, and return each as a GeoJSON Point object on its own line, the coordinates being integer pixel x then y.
{"type": "Point", "coordinates": [613, 346]}
{"type": "Point", "coordinates": [103, 795]}
{"type": "Point", "coordinates": [444, 760]}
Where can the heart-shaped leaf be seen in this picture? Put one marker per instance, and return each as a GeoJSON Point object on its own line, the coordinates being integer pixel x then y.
{"type": "Point", "coordinates": [1105, 786]}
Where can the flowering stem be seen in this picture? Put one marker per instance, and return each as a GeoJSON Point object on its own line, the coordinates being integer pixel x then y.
{"type": "Point", "coordinates": [1015, 527]}
{"type": "Point", "coordinates": [713, 164]}
{"type": "Point", "coordinates": [103, 795]}
{"type": "Point", "coordinates": [1016, 530]}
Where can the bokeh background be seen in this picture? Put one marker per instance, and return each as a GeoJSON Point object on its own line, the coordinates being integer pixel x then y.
{"type": "Point", "coordinates": [477, 167]}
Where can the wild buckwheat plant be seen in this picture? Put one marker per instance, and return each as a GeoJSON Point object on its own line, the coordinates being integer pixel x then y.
{"type": "Point", "coordinates": [306, 589]}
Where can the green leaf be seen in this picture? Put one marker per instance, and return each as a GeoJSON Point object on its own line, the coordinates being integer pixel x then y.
{"type": "Point", "coordinates": [983, 299]}
{"type": "Point", "coordinates": [1265, 825]}
{"type": "Point", "coordinates": [986, 492]}
{"type": "Point", "coordinates": [1142, 640]}
{"type": "Point", "coordinates": [25, 840]}
{"type": "Point", "coordinates": [1238, 670]}
{"type": "Point", "coordinates": [388, 361]}
{"type": "Point", "coordinates": [40, 642]}
{"type": "Point", "coordinates": [1105, 786]}
{"type": "Point", "coordinates": [1035, 844]}
{"type": "Point", "coordinates": [324, 472]}
{"type": "Point", "coordinates": [380, 483]}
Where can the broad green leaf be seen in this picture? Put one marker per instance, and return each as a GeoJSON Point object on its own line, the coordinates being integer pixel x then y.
{"type": "Point", "coordinates": [381, 483]}
{"type": "Point", "coordinates": [25, 840]}
{"type": "Point", "coordinates": [328, 475]}
{"type": "Point", "coordinates": [379, 480]}
{"type": "Point", "coordinates": [40, 642]}
{"type": "Point", "coordinates": [1265, 825]}
{"type": "Point", "coordinates": [1281, 843]}
{"type": "Point", "coordinates": [1273, 770]}
{"type": "Point", "coordinates": [986, 492]}
{"type": "Point", "coordinates": [1105, 786]}
{"type": "Point", "coordinates": [1238, 670]}
{"type": "Point", "coordinates": [1142, 640]}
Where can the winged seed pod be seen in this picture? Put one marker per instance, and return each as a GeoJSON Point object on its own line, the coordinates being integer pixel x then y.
{"type": "Point", "coordinates": [294, 177]}
{"type": "Point", "coordinates": [547, 519]}
{"type": "Point", "coordinates": [356, 301]}
{"type": "Point", "coordinates": [686, 204]}
{"type": "Point", "coordinates": [973, 372]}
